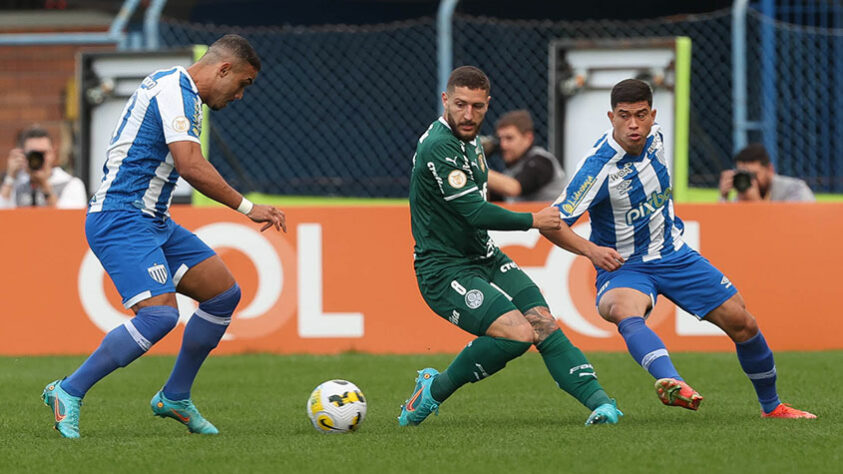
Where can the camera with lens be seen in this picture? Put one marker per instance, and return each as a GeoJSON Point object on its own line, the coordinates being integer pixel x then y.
{"type": "Point", "coordinates": [35, 159]}
{"type": "Point", "coordinates": [742, 180]}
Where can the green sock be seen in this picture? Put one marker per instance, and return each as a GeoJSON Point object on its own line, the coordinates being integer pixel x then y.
{"type": "Point", "coordinates": [481, 358]}
{"type": "Point", "coordinates": [571, 370]}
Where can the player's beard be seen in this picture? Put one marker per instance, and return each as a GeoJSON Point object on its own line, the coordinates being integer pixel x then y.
{"type": "Point", "coordinates": [456, 131]}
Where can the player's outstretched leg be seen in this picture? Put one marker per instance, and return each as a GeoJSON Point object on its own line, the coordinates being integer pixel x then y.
{"type": "Point", "coordinates": [65, 409]}
{"type": "Point", "coordinates": [757, 361]}
{"type": "Point", "coordinates": [201, 335]}
{"type": "Point", "coordinates": [647, 348]}
{"type": "Point", "coordinates": [481, 358]}
{"type": "Point", "coordinates": [754, 355]}
{"type": "Point", "coordinates": [569, 367]}
{"type": "Point", "coordinates": [119, 348]}
{"type": "Point", "coordinates": [183, 411]}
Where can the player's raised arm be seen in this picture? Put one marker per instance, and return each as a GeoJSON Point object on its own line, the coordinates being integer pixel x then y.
{"type": "Point", "coordinates": [484, 215]}
{"type": "Point", "coordinates": [586, 188]}
{"type": "Point", "coordinates": [464, 195]}
{"type": "Point", "coordinates": [606, 258]}
{"type": "Point", "coordinates": [202, 175]}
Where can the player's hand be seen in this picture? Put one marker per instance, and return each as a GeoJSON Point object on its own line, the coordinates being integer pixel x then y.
{"type": "Point", "coordinates": [726, 182]}
{"type": "Point", "coordinates": [606, 258]}
{"type": "Point", "coordinates": [273, 217]}
{"type": "Point", "coordinates": [547, 219]}
{"type": "Point", "coordinates": [16, 162]}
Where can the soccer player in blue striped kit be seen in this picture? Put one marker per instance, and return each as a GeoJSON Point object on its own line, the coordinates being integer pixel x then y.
{"type": "Point", "coordinates": [636, 245]}
{"type": "Point", "coordinates": [146, 254]}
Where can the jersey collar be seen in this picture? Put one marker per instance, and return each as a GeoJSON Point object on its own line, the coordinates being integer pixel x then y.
{"type": "Point", "coordinates": [182, 70]}
{"type": "Point", "coordinates": [444, 122]}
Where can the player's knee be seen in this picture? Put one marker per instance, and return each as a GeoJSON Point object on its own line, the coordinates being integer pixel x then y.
{"type": "Point", "coordinates": [522, 332]}
{"type": "Point", "coordinates": [616, 312]}
{"type": "Point", "coordinates": [512, 326]}
{"type": "Point", "coordinates": [224, 303]}
{"type": "Point", "coordinates": [543, 323]}
{"type": "Point", "coordinates": [742, 326]}
{"type": "Point", "coordinates": [154, 322]}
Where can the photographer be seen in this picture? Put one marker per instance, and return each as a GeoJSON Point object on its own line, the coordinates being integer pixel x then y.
{"type": "Point", "coordinates": [33, 179]}
{"type": "Point", "coordinates": [532, 173]}
{"type": "Point", "coordinates": [754, 179]}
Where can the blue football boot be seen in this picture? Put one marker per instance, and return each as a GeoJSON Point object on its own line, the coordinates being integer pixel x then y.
{"type": "Point", "coordinates": [606, 413]}
{"type": "Point", "coordinates": [183, 411]}
{"type": "Point", "coordinates": [65, 409]}
{"type": "Point", "coordinates": [421, 404]}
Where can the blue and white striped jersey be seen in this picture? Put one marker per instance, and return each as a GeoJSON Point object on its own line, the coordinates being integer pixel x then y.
{"type": "Point", "coordinates": [627, 197]}
{"type": "Point", "coordinates": [139, 172]}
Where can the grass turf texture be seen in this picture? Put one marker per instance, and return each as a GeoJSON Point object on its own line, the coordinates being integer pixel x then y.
{"type": "Point", "coordinates": [516, 421]}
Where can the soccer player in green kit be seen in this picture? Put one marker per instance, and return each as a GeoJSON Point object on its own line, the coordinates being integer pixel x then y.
{"type": "Point", "coordinates": [461, 273]}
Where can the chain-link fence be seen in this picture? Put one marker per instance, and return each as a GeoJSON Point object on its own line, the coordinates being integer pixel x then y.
{"type": "Point", "coordinates": [795, 77]}
{"type": "Point", "coordinates": [334, 111]}
{"type": "Point", "coordinates": [337, 110]}
{"type": "Point", "coordinates": [515, 55]}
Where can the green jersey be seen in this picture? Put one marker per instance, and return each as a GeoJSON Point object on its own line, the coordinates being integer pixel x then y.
{"type": "Point", "coordinates": [448, 208]}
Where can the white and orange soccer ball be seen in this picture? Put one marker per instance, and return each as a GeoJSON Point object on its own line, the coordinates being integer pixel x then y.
{"type": "Point", "coordinates": [336, 406]}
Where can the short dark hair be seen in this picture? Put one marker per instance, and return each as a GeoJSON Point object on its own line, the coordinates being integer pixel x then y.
{"type": "Point", "coordinates": [34, 131]}
{"type": "Point", "coordinates": [631, 90]}
{"type": "Point", "coordinates": [753, 153]}
{"type": "Point", "coordinates": [468, 76]}
{"type": "Point", "coordinates": [520, 119]}
{"type": "Point", "coordinates": [238, 47]}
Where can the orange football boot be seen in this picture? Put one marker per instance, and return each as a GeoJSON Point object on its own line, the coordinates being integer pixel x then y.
{"type": "Point", "coordinates": [786, 411]}
{"type": "Point", "coordinates": [677, 393]}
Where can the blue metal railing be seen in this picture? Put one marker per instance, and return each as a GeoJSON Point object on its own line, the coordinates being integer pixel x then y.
{"type": "Point", "coordinates": [444, 43]}
{"type": "Point", "coordinates": [116, 33]}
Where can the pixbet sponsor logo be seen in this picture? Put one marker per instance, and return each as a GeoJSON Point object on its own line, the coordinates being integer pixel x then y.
{"type": "Point", "coordinates": [648, 207]}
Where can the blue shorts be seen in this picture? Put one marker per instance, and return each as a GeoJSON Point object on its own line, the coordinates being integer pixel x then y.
{"type": "Point", "coordinates": [684, 277]}
{"type": "Point", "coordinates": [144, 256]}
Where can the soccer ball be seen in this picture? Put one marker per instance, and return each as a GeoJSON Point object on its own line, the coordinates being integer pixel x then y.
{"type": "Point", "coordinates": [336, 406]}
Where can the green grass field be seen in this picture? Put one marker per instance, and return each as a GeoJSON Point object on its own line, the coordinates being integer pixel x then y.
{"type": "Point", "coordinates": [516, 421]}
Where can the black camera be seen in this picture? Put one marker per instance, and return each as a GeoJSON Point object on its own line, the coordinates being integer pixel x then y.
{"type": "Point", "coordinates": [742, 180]}
{"type": "Point", "coordinates": [35, 159]}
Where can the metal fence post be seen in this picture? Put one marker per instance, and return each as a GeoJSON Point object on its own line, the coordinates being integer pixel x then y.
{"type": "Point", "coordinates": [444, 43]}
{"type": "Point", "coordinates": [768, 81]}
{"type": "Point", "coordinates": [739, 74]}
{"type": "Point", "coordinates": [150, 23]}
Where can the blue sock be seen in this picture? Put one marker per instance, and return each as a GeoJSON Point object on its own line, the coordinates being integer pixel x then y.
{"type": "Point", "coordinates": [201, 335]}
{"type": "Point", "coordinates": [121, 346]}
{"type": "Point", "coordinates": [647, 348]}
{"type": "Point", "coordinates": [756, 359]}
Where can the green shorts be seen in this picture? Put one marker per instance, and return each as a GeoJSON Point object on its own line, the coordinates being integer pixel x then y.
{"type": "Point", "coordinates": [473, 295]}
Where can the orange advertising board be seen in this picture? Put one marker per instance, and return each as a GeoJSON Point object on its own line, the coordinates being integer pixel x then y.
{"type": "Point", "coordinates": [342, 280]}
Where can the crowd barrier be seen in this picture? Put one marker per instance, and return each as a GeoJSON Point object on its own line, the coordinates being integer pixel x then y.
{"type": "Point", "coordinates": [342, 279]}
